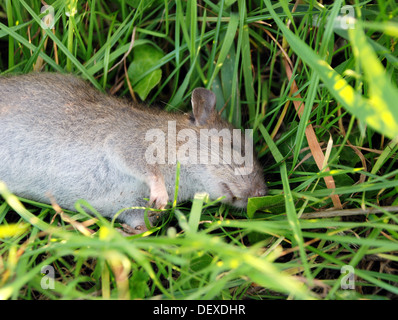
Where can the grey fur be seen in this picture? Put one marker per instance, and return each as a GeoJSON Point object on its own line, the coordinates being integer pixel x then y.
{"type": "Point", "coordinates": [61, 136]}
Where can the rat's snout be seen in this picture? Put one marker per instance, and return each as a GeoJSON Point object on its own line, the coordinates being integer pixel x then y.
{"type": "Point", "coordinates": [238, 196]}
{"type": "Point", "coordinates": [260, 191]}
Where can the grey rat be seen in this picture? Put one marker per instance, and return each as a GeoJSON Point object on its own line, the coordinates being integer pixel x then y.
{"type": "Point", "coordinates": [60, 136]}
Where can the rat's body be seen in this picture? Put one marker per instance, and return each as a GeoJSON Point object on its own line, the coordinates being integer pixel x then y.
{"type": "Point", "coordinates": [60, 136]}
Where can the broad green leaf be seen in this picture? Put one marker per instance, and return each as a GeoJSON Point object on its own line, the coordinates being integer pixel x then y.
{"type": "Point", "coordinates": [145, 57]}
{"type": "Point", "coordinates": [254, 204]}
{"type": "Point", "coordinates": [144, 86]}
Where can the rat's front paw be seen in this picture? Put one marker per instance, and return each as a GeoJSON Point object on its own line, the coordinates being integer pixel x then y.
{"type": "Point", "coordinates": [158, 197]}
{"type": "Point", "coordinates": [129, 230]}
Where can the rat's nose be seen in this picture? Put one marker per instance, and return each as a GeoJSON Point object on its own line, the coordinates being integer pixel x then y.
{"type": "Point", "coordinates": [260, 192]}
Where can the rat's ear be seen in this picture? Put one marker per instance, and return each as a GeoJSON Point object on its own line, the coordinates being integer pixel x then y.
{"type": "Point", "coordinates": [203, 106]}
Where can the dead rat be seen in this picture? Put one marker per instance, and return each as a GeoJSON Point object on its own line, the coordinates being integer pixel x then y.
{"type": "Point", "coordinates": [60, 136]}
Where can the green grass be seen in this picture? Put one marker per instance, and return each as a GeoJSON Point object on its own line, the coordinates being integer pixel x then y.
{"type": "Point", "coordinates": [264, 60]}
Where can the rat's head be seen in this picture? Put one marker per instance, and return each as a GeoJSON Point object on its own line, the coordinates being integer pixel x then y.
{"type": "Point", "coordinates": [226, 154]}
